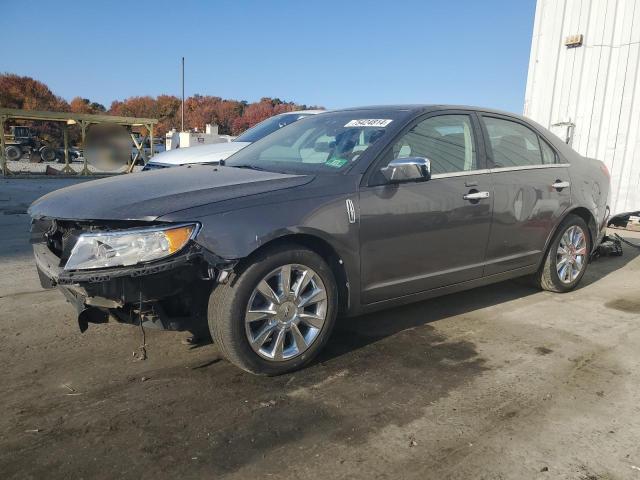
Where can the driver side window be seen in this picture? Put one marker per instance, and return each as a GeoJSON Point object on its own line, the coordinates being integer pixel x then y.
{"type": "Point", "coordinates": [446, 140]}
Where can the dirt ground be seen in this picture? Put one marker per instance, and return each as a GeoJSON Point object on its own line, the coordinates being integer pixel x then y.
{"type": "Point", "coordinates": [502, 382]}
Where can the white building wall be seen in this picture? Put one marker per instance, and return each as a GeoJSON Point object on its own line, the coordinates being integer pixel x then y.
{"type": "Point", "coordinates": [595, 86]}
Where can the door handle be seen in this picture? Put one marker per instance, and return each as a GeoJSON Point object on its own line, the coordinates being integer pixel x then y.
{"type": "Point", "coordinates": [559, 185]}
{"type": "Point", "coordinates": [476, 195]}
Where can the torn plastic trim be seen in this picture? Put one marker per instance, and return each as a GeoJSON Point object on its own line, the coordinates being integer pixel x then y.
{"type": "Point", "coordinates": [86, 313]}
{"type": "Point", "coordinates": [219, 268]}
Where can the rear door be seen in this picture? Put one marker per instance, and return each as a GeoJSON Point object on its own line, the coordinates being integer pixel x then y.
{"type": "Point", "coordinates": [423, 235]}
{"type": "Point", "coordinates": [531, 189]}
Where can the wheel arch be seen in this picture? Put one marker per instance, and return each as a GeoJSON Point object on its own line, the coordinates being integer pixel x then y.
{"type": "Point", "coordinates": [581, 212]}
{"type": "Point", "coordinates": [319, 246]}
{"type": "Point", "coordinates": [589, 219]}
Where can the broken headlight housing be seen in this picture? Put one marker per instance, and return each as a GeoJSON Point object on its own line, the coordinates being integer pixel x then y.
{"type": "Point", "coordinates": [128, 247]}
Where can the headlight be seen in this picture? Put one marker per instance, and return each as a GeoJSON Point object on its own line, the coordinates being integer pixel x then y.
{"type": "Point", "coordinates": [128, 247]}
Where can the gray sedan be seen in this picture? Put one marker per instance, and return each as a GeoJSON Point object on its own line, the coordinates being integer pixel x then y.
{"type": "Point", "coordinates": [335, 215]}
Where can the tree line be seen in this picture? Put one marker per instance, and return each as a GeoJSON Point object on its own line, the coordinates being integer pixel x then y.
{"type": "Point", "coordinates": [231, 116]}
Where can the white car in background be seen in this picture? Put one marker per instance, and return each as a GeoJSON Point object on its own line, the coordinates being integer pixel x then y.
{"type": "Point", "coordinates": [215, 152]}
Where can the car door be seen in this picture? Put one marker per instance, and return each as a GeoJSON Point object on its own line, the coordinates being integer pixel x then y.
{"type": "Point", "coordinates": [531, 188]}
{"type": "Point", "coordinates": [423, 235]}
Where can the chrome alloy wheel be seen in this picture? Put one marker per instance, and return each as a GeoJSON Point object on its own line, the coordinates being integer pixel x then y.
{"type": "Point", "coordinates": [571, 256]}
{"type": "Point", "coordinates": [286, 312]}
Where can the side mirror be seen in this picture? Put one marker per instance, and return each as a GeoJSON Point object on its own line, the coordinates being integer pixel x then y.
{"type": "Point", "coordinates": [410, 169]}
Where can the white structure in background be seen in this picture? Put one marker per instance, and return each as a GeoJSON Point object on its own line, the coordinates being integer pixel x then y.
{"type": "Point", "coordinates": [174, 139]}
{"type": "Point", "coordinates": [584, 84]}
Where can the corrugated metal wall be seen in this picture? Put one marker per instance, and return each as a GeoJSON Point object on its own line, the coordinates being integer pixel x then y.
{"type": "Point", "coordinates": [595, 87]}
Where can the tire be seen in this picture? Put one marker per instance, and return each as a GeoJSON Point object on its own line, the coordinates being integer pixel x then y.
{"type": "Point", "coordinates": [13, 153]}
{"type": "Point", "coordinates": [34, 157]}
{"type": "Point", "coordinates": [549, 275]}
{"type": "Point", "coordinates": [47, 154]}
{"type": "Point", "coordinates": [230, 303]}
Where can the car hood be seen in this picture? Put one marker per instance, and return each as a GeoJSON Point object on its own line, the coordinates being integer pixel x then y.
{"type": "Point", "coordinates": [149, 195]}
{"type": "Point", "coordinates": [200, 154]}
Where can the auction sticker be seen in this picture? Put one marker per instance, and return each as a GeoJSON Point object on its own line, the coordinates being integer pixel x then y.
{"type": "Point", "coordinates": [336, 162]}
{"type": "Point", "coordinates": [369, 122]}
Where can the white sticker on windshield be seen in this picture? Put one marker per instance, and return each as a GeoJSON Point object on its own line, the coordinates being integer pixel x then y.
{"type": "Point", "coordinates": [369, 122]}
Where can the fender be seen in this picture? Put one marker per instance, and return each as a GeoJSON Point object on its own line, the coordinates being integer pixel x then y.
{"type": "Point", "coordinates": [581, 211]}
{"type": "Point", "coordinates": [237, 234]}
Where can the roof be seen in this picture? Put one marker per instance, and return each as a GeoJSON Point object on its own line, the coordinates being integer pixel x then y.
{"type": "Point", "coordinates": [304, 112]}
{"type": "Point", "coordinates": [77, 117]}
{"type": "Point", "coordinates": [429, 108]}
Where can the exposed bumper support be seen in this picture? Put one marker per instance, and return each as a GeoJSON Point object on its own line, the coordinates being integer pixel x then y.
{"type": "Point", "coordinates": [86, 313]}
{"type": "Point", "coordinates": [171, 294]}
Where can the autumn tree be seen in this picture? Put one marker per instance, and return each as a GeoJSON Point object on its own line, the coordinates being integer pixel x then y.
{"type": "Point", "coordinates": [84, 105]}
{"type": "Point", "coordinates": [201, 110]}
{"type": "Point", "coordinates": [167, 113]}
{"type": "Point", "coordinates": [28, 94]}
{"type": "Point", "coordinates": [254, 113]}
{"type": "Point", "coordinates": [145, 106]}
{"type": "Point", "coordinates": [231, 116]}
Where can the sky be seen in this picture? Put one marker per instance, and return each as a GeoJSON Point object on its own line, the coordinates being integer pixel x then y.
{"type": "Point", "coordinates": [333, 53]}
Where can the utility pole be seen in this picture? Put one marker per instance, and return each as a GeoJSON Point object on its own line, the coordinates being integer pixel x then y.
{"type": "Point", "coordinates": [182, 116]}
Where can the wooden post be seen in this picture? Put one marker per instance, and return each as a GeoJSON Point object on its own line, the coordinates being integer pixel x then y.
{"type": "Point", "coordinates": [139, 152]}
{"type": "Point", "coordinates": [67, 168]}
{"type": "Point", "coordinates": [83, 134]}
{"type": "Point", "coordinates": [150, 141]}
{"type": "Point", "coordinates": [3, 156]}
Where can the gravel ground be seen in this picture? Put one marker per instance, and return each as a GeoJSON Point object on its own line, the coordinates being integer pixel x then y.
{"type": "Point", "coordinates": [25, 167]}
{"type": "Point", "coordinates": [501, 382]}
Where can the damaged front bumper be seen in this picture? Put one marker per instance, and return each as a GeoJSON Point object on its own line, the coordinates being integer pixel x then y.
{"type": "Point", "coordinates": [170, 294]}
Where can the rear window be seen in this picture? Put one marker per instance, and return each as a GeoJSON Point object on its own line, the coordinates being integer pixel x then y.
{"type": "Point", "coordinates": [512, 144]}
{"type": "Point", "coordinates": [548, 154]}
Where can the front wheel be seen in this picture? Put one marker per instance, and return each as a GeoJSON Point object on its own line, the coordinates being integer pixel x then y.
{"type": "Point", "coordinates": [567, 257]}
{"type": "Point", "coordinates": [277, 313]}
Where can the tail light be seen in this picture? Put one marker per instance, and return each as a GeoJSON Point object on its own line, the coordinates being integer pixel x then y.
{"type": "Point", "coordinates": [605, 170]}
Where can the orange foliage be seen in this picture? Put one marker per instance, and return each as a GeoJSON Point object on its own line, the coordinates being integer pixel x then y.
{"type": "Point", "coordinates": [231, 116]}
{"type": "Point", "coordinates": [84, 105]}
{"type": "Point", "coordinates": [28, 94]}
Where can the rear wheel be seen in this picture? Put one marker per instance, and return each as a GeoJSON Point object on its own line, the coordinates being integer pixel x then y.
{"type": "Point", "coordinates": [567, 257]}
{"type": "Point", "coordinates": [277, 313]}
{"type": "Point", "coordinates": [13, 153]}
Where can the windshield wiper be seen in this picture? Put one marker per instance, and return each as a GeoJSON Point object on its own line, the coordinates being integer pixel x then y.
{"type": "Point", "coordinates": [249, 167]}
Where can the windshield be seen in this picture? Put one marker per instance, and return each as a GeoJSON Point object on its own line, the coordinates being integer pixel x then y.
{"type": "Point", "coordinates": [268, 126]}
{"type": "Point", "coordinates": [21, 131]}
{"type": "Point", "coordinates": [326, 143]}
